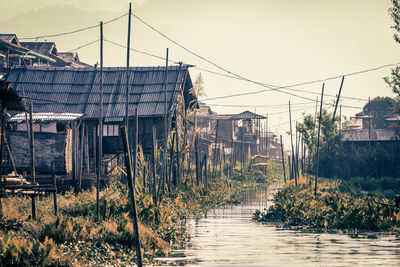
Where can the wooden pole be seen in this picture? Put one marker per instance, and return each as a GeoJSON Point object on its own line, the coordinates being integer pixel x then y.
{"type": "Point", "coordinates": [135, 150]}
{"type": "Point", "coordinates": [32, 150]}
{"type": "Point", "coordinates": [94, 149]}
{"type": "Point", "coordinates": [178, 167]}
{"type": "Point", "coordinates": [293, 173]}
{"type": "Point", "coordinates": [266, 137]}
{"type": "Point", "coordinates": [302, 156]}
{"type": "Point", "coordinates": [153, 157]}
{"type": "Point", "coordinates": [53, 174]}
{"type": "Point", "coordinates": [128, 49]}
{"type": "Point", "coordinates": [215, 146]}
{"type": "Point", "coordinates": [2, 141]}
{"type": "Point", "coordinates": [165, 123]}
{"type": "Point", "coordinates": [9, 153]}
{"type": "Point", "coordinates": [337, 100]}
{"type": "Point", "coordinates": [319, 131]}
{"type": "Point", "coordinates": [171, 162]}
{"type": "Point", "coordinates": [73, 151]}
{"type": "Point", "coordinates": [80, 157]}
{"type": "Point", "coordinates": [197, 160]}
{"type": "Point", "coordinates": [296, 155]}
{"type": "Point", "coordinates": [131, 185]}
{"type": "Point", "coordinates": [283, 162]}
{"type": "Point", "coordinates": [205, 171]}
{"type": "Point", "coordinates": [87, 159]}
{"type": "Point", "coordinates": [290, 167]}
{"type": "Point", "coordinates": [100, 160]}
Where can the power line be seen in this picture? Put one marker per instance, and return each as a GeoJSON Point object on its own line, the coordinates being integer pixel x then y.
{"type": "Point", "coordinates": [141, 52]}
{"type": "Point", "coordinates": [216, 65]}
{"type": "Point", "coordinates": [270, 87]}
{"type": "Point", "coordinates": [230, 76]}
{"type": "Point", "coordinates": [72, 32]}
{"type": "Point", "coordinates": [82, 46]}
{"type": "Point", "coordinates": [305, 104]}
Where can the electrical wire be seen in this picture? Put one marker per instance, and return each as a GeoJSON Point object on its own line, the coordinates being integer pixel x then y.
{"type": "Point", "coordinates": [142, 52]}
{"type": "Point", "coordinates": [270, 87]}
{"type": "Point", "coordinates": [230, 76]}
{"type": "Point", "coordinates": [72, 32]}
{"type": "Point", "coordinates": [82, 46]}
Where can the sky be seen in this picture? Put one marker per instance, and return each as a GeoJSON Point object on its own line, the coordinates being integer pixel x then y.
{"type": "Point", "coordinates": [278, 42]}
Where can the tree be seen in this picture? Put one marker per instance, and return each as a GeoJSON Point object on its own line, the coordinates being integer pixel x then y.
{"type": "Point", "coordinates": [199, 86]}
{"type": "Point", "coordinates": [379, 108]}
{"type": "Point", "coordinates": [394, 80]}
{"type": "Point", "coordinates": [329, 141]}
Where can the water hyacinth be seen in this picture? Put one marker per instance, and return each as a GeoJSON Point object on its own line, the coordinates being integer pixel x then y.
{"type": "Point", "coordinates": [330, 209]}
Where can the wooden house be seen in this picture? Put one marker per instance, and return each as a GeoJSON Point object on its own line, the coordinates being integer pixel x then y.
{"type": "Point", "coordinates": [77, 90]}
{"type": "Point", "coordinates": [53, 141]}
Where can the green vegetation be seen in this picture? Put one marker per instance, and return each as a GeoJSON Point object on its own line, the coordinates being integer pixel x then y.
{"type": "Point", "coordinates": [337, 205]}
{"type": "Point", "coordinates": [74, 238]}
{"type": "Point", "coordinates": [74, 232]}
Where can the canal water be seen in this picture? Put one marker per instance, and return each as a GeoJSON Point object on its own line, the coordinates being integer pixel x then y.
{"type": "Point", "coordinates": [227, 236]}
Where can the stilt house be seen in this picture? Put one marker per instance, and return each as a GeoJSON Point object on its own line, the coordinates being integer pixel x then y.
{"type": "Point", "coordinates": [77, 90]}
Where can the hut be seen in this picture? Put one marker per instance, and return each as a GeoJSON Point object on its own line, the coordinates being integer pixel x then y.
{"type": "Point", "coordinates": [53, 141]}
{"type": "Point", "coordinates": [153, 92]}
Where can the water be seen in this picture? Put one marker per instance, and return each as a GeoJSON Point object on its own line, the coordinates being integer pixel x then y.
{"type": "Point", "coordinates": [227, 236]}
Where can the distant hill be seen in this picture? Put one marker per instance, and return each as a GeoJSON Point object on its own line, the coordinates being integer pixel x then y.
{"type": "Point", "coordinates": [52, 20]}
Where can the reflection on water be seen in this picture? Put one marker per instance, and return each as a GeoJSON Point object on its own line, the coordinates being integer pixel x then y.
{"type": "Point", "coordinates": [227, 236]}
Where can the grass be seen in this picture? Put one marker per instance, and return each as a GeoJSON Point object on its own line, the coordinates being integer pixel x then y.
{"type": "Point", "coordinates": [336, 206]}
{"type": "Point", "coordinates": [74, 238]}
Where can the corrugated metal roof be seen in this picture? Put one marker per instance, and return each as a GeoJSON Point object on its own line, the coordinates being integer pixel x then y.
{"type": "Point", "coordinates": [48, 116]}
{"type": "Point", "coordinates": [55, 89]}
{"type": "Point", "coordinates": [369, 135]}
{"type": "Point", "coordinates": [8, 37]}
{"type": "Point", "coordinates": [45, 48]}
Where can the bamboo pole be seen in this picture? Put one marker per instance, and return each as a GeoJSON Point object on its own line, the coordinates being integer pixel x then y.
{"type": "Point", "coordinates": [73, 152]}
{"type": "Point", "coordinates": [135, 150]}
{"type": "Point", "coordinates": [131, 185]}
{"type": "Point", "coordinates": [80, 157]}
{"type": "Point", "coordinates": [2, 141]}
{"type": "Point", "coordinates": [337, 100]}
{"type": "Point", "coordinates": [165, 124]}
{"type": "Point", "coordinates": [283, 161]}
{"type": "Point", "coordinates": [87, 159]}
{"type": "Point", "coordinates": [198, 178]}
{"type": "Point", "coordinates": [94, 149]}
{"type": "Point", "coordinates": [290, 167]}
{"type": "Point", "coordinates": [153, 157]}
{"type": "Point", "coordinates": [293, 172]}
{"type": "Point", "coordinates": [9, 154]}
{"type": "Point", "coordinates": [53, 174]}
{"type": "Point", "coordinates": [215, 147]}
{"type": "Point", "coordinates": [100, 160]}
{"type": "Point", "coordinates": [319, 131]}
{"type": "Point", "coordinates": [127, 69]}
{"type": "Point", "coordinates": [178, 168]}
{"type": "Point", "coordinates": [32, 150]}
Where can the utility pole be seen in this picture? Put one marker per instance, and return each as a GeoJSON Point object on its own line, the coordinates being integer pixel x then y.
{"type": "Point", "coordinates": [293, 172]}
{"type": "Point", "coordinates": [283, 162]}
{"type": "Point", "coordinates": [127, 69]}
{"type": "Point", "coordinates": [100, 162]}
{"type": "Point", "coordinates": [319, 131]}
{"type": "Point", "coordinates": [165, 123]}
{"type": "Point", "coordinates": [337, 100]}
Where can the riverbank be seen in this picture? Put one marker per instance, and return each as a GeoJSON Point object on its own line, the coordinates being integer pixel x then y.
{"type": "Point", "coordinates": [75, 238]}
{"type": "Point", "coordinates": [336, 206]}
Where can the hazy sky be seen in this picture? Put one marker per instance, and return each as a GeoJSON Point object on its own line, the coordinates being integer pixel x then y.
{"type": "Point", "coordinates": [278, 42]}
